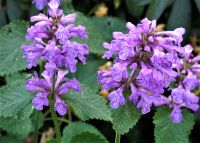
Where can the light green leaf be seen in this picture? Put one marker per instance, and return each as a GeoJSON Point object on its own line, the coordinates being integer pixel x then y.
{"type": "Point", "coordinates": [168, 132]}
{"type": "Point", "coordinates": [88, 138]}
{"type": "Point", "coordinates": [157, 7]}
{"type": "Point", "coordinates": [15, 100]}
{"type": "Point", "coordinates": [17, 127]}
{"type": "Point", "coordinates": [17, 76]}
{"type": "Point", "coordinates": [99, 30]}
{"type": "Point", "coordinates": [180, 15]}
{"type": "Point", "coordinates": [78, 128]}
{"type": "Point", "coordinates": [87, 74]}
{"type": "Point", "coordinates": [125, 117]}
{"type": "Point", "coordinates": [11, 40]}
{"type": "Point", "coordinates": [88, 105]}
{"type": "Point", "coordinates": [107, 25]}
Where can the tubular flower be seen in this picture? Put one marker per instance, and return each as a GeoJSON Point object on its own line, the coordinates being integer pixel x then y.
{"type": "Point", "coordinates": [146, 63]}
{"type": "Point", "coordinates": [51, 43]}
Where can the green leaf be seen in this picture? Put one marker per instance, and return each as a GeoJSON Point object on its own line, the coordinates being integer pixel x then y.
{"type": "Point", "coordinates": [16, 76]}
{"type": "Point", "coordinates": [168, 132]}
{"type": "Point", "coordinates": [99, 30]}
{"type": "Point", "coordinates": [125, 117]}
{"type": "Point", "coordinates": [21, 128]}
{"type": "Point", "coordinates": [15, 100]}
{"type": "Point", "coordinates": [88, 138]}
{"type": "Point", "coordinates": [157, 7]}
{"type": "Point", "coordinates": [95, 38]}
{"type": "Point", "coordinates": [88, 105]}
{"type": "Point", "coordinates": [78, 128]}
{"type": "Point", "coordinates": [87, 74]}
{"type": "Point", "coordinates": [134, 7]}
{"type": "Point", "coordinates": [107, 25]}
{"type": "Point", "coordinates": [180, 15]}
{"type": "Point", "coordinates": [13, 10]}
{"type": "Point", "coordinates": [37, 119]}
{"type": "Point", "coordinates": [198, 4]}
{"type": "Point", "coordinates": [52, 141]}
{"type": "Point", "coordinates": [11, 40]}
{"type": "Point", "coordinates": [10, 139]}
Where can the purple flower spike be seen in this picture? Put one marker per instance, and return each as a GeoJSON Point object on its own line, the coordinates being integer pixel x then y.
{"type": "Point", "coordinates": [146, 62]}
{"type": "Point", "coordinates": [51, 43]}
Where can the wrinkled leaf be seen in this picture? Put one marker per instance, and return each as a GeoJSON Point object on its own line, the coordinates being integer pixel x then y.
{"type": "Point", "coordinates": [125, 117]}
{"type": "Point", "coordinates": [88, 105]}
{"type": "Point", "coordinates": [11, 40]}
{"type": "Point", "coordinates": [15, 100]}
{"type": "Point", "coordinates": [168, 132]}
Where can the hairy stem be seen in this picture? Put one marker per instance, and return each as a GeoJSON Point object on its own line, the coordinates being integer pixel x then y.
{"type": "Point", "coordinates": [53, 113]}
{"type": "Point", "coordinates": [117, 138]}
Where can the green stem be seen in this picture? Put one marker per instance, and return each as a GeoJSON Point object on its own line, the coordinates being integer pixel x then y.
{"type": "Point", "coordinates": [53, 113]}
{"type": "Point", "coordinates": [117, 138]}
{"type": "Point", "coordinates": [36, 127]}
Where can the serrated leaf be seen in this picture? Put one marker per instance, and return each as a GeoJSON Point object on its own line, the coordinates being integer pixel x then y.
{"type": "Point", "coordinates": [15, 100]}
{"type": "Point", "coordinates": [125, 117]}
{"type": "Point", "coordinates": [88, 138]}
{"type": "Point", "coordinates": [11, 40]}
{"type": "Point", "coordinates": [88, 105]}
{"type": "Point", "coordinates": [78, 128]}
{"type": "Point", "coordinates": [16, 76]}
{"type": "Point", "coordinates": [157, 7]}
{"type": "Point", "coordinates": [168, 132]}
{"type": "Point", "coordinates": [180, 15]}
{"type": "Point", "coordinates": [17, 127]}
{"type": "Point", "coordinates": [87, 74]}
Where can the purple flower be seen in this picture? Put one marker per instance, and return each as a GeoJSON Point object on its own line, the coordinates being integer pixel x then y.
{"type": "Point", "coordinates": [60, 106]}
{"type": "Point", "coordinates": [51, 43]}
{"type": "Point", "coordinates": [40, 4]}
{"type": "Point", "coordinates": [43, 88]}
{"type": "Point", "coordinates": [176, 115]}
{"type": "Point", "coordinates": [40, 100]}
{"type": "Point", "coordinates": [116, 98]}
{"type": "Point", "coordinates": [147, 62]}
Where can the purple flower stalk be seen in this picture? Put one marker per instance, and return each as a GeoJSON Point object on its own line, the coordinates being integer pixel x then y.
{"type": "Point", "coordinates": [51, 43]}
{"type": "Point", "coordinates": [146, 63]}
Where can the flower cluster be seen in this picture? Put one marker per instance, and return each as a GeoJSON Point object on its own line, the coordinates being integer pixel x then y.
{"type": "Point", "coordinates": [146, 63]}
{"type": "Point", "coordinates": [187, 80]}
{"type": "Point", "coordinates": [51, 44]}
